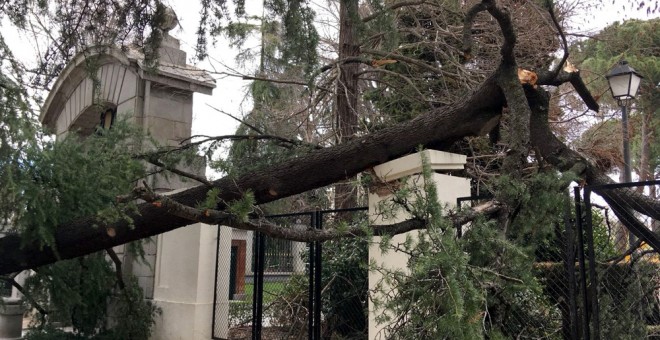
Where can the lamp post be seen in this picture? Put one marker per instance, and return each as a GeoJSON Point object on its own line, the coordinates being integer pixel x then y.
{"type": "Point", "coordinates": [624, 82]}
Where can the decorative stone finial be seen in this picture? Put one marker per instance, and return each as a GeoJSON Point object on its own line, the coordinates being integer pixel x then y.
{"type": "Point", "coordinates": [170, 20]}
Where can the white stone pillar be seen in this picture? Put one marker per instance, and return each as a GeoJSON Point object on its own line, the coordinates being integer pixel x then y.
{"type": "Point", "coordinates": [11, 318]}
{"type": "Point", "coordinates": [448, 189]}
{"type": "Point", "coordinates": [184, 284]}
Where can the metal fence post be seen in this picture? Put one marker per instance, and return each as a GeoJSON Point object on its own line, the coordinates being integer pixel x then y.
{"type": "Point", "coordinates": [583, 273]}
{"type": "Point", "coordinates": [311, 281]}
{"type": "Point", "coordinates": [595, 319]}
{"type": "Point", "coordinates": [569, 261]}
{"type": "Point", "coordinates": [318, 257]}
{"type": "Point", "coordinates": [257, 294]}
{"type": "Point", "coordinates": [215, 283]}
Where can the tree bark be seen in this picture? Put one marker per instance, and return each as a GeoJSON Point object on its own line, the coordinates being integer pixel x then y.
{"type": "Point", "coordinates": [438, 128]}
{"type": "Point", "coordinates": [555, 152]}
{"type": "Point", "coordinates": [346, 96]}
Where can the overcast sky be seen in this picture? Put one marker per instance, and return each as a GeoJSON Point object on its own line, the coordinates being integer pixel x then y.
{"type": "Point", "coordinates": [229, 93]}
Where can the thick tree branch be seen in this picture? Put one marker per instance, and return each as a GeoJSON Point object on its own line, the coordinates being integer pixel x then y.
{"type": "Point", "coordinates": [548, 78]}
{"type": "Point", "coordinates": [468, 23]}
{"type": "Point", "coordinates": [437, 129]}
{"type": "Point", "coordinates": [564, 159]}
{"type": "Point", "coordinates": [564, 43]}
{"type": "Point", "coordinates": [501, 14]}
{"type": "Point", "coordinates": [217, 217]}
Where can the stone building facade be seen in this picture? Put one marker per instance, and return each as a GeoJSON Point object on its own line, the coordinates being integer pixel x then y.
{"type": "Point", "coordinates": [104, 84]}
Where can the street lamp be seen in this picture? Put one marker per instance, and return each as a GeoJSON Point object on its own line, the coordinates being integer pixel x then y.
{"type": "Point", "coordinates": [624, 82]}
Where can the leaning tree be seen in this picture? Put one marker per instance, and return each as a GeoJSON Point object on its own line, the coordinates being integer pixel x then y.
{"type": "Point", "coordinates": [499, 96]}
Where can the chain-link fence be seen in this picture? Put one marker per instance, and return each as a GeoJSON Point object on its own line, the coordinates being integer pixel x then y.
{"type": "Point", "coordinates": [596, 280]}
{"type": "Point", "coordinates": [624, 267]}
{"type": "Point", "coordinates": [591, 280]}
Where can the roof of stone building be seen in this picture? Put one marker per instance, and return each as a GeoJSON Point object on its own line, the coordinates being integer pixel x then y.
{"type": "Point", "coordinates": [176, 75]}
{"type": "Point", "coordinates": [183, 72]}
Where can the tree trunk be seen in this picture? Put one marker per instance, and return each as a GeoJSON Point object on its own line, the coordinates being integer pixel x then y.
{"type": "Point", "coordinates": [346, 97]}
{"type": "Point", "coordinates": [438, 128]}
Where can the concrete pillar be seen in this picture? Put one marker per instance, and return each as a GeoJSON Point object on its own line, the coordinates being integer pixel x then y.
{"type": "Point", "coordinates": [408, 168]}
{"type": "Point", "coordinates": [184, 284]}
{"type": "Point", "coordinates": [11, 318]}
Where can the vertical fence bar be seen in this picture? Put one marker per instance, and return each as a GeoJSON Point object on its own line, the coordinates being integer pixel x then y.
{"type": "Point", "coordinates": [311, 281]}
{"type": "Point", "coordinates": [215, 284]}
{"type": "Point", "coordinates": [583, 273]}
{"type": "Point", "coordinates": [569, 261]}
{"type": "Point", "coordinates": [255, 266]}
{"type": "Point", "coordinates": [317, 280]}
{"type": "Point", "coordinates": [595, 317]}
{"type": "Point", "coordinates": [258, 287]}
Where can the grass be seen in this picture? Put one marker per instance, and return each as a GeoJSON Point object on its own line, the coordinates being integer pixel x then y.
{"type": "Point", "coordinates": [271, 290]}
{"type": "Point", "coordinates": [240, 311]}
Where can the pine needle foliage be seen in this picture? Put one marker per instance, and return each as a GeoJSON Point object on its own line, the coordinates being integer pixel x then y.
{"type": "Point", "coordinates": [481, 285]}
{"type": "Point", "coordinates": [52, 181]}
{"type": "Point", "coordinates": [82, 293]}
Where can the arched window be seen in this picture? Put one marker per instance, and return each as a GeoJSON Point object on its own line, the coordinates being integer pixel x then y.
{"type": "Point", "coordinates": [108, 118]}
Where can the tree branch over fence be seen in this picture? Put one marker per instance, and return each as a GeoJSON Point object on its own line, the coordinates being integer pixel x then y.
{"type": "Point", "coordinates": [222, 218]}
{"type": "Point", "coordinates": [475, 114]}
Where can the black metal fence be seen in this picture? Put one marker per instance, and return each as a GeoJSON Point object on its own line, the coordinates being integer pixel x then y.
{"type": "Point", "coordinates": [294, 290]}
{"type": "Point", "coordinates": [597, 282]}
{"type": "Point", "coordinates": [620, 290]}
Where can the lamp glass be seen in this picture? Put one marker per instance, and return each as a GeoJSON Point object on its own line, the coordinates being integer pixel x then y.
{"type": "Point", "coordinates": [624, 81]}
{"type": "Point", "coordinates": [635, 80]}
{"type": "Point", "coordinates": [619, 85]}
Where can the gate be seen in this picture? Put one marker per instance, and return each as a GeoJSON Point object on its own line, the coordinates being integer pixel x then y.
{"type": "Point", "coordinates": [284, 285]}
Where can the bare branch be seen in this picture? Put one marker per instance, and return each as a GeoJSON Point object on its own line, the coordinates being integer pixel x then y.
{"type": "Point", "coordinates": [27, 295]}
{"type": "Point", "coordinates": [391, 8]}
{"type": "Point", "coordinates": [281, 81]}
{"type": "Point", "coordinates": [349, 60]}
{"type": "Point", "coordinates": [560, 65]}
{"type": "Point", "coordinates": [405, 59]}
{"type": "Point", "coordinates": [237, 119]}
{"type": "Point", "coordinates": [118, 270]}
{"type": "Point", "coordinates": [201, 179]}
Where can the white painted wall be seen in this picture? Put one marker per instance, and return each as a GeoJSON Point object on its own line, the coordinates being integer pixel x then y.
{"type": "Point", "coordinates": [448, 189]}
{"type": "Point", "coordinates": [184, 285]}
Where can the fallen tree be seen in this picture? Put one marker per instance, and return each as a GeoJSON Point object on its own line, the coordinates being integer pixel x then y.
{"type": "Point", "coordinates": [476, 115]}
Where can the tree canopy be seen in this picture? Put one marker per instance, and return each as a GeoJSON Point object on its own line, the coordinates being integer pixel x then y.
{"type": "Point", "coordinates": [435, 74]}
